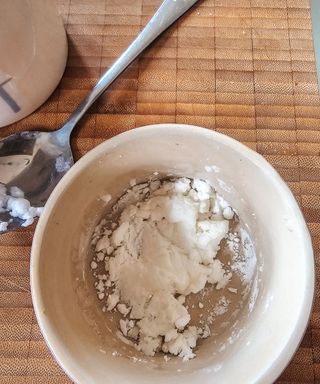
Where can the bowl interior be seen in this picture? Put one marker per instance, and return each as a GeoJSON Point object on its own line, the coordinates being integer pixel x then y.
{"type": "Point", "coordinates": [270, 325]}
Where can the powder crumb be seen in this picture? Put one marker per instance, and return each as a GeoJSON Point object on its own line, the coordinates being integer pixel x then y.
{"type": "Point", "coordinates": [232, 290]}
{"type": "Point", "coordinates": [221, 307]}
{"type": "Point", "coordinates": [100, 256]}
{"type": "Point", "coordinates": [171, 335]}
{"type": "Point", "coordinates": [125, 326]}
{"type": "Point", "coordinates": [133, 333]}
{"type": "Point", "coordinates": [124, 339]}
{"type": "Point", "coordinates": [206, 332]}
{"type": "Point", "coordinates": [212, 168]}
{"type": "Point", "coordinates": [62, 165]}
{"type": "Point", "coordinates": [162, 229]}
{"type": "Point", "coordinates": [228, 213]}
{"type": "Point", "coordinates": [181, 299]}
{"type": "Point", "coordinates": [182, 321]}
{"type": "Point", "coordinates": [106, 198]}
{"type": "Point", "coordinates": [16, 205]}
{"type": "Point", "coordinates": [112, 301]}
{"type": "Point", "coordinates": [16, 192]}
{"type": "Point", "coordinates": [123, 309]}
{"type": "Point", "coordinates": [3, 226]}
{"type": "Point", "coordinates": [93, 265]}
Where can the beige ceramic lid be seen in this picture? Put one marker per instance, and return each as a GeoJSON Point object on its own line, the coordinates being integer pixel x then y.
{"type": "Point", "coordinates": [33, 56]}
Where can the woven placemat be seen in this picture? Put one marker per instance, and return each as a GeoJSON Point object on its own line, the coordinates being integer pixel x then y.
{"type": "Point", "coordinates": [242, 67]}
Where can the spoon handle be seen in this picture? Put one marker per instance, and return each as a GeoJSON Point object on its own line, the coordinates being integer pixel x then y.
{"type": "Point", "coordinates": [168, 13]}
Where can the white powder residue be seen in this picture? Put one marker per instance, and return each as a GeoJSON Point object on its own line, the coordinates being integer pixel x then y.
{"type": "Point", "coordinates": [3, 226]}
{"type": "Point", "coordinates": [106, 198]}
{"type": "Point", "coordinates": [163, 249]}
{"type": "Point", "coordinates": [14, 203]}
{"type": "Point", "coordinates": [16, 192]}
{"type": "Point", "coordinates": [221, 307]}
{"type": "Point", "coordinates": [228, 213]}
{"type": "Point", "coordinates": [212, 168]}
{"type": "Point", "coordinates": [254, 295]}
{"type": "Point", "coordinates": [62, 165]}
{"type": "Point", "coordinates": [243, 255]}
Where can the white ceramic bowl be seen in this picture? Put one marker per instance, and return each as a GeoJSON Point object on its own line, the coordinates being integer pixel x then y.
{"type": "Point", "coordinates": [265, 336]}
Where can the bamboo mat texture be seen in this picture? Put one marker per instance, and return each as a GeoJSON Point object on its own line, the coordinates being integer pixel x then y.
{"type": "Point", "coordinates": [245, 68]}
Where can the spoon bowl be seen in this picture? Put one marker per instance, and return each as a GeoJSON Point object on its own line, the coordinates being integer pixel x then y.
{"type": "Point", "coordinates": [34, 162]}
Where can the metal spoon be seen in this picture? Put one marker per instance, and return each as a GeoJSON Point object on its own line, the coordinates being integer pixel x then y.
{"type": "Point", "coordinates": [35, 161]}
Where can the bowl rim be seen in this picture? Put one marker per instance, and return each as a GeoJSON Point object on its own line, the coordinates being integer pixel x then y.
{"type": "Point", "coordinates": [275, 368]}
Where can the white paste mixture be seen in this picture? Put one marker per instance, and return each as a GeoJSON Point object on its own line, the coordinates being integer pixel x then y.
{"type": "Point", "coordinates": [162, 249]}
{"type": "Point", "coordinates": [13, 202]}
